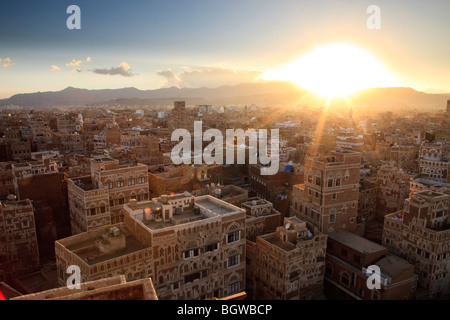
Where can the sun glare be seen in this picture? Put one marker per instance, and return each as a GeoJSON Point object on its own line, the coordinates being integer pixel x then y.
{"type": "Point", "coordinates": [332, 70]}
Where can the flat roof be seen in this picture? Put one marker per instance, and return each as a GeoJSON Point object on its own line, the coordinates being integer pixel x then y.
{"type": "Point", "coordinates": [185, 217]}
{"type": "Point", "coordinates": [209, 207]}
{"type": "Point", "coordinates": [216, 208]}
{"type": "Point", "coordinates": [85, 248]}
{"type": "Point", "coordinates": [274, 240]}
{"type": "Point", "coordinates": [393, 266]}
{"type": "Point", "coordinates": [355, 241]}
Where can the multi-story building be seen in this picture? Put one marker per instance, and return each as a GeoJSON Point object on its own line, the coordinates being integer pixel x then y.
{"type": "Point", "coordinates": [349, 256]}
{"type": "Point", "coordinates": [420, 233]}
{"type": "Point", "coordinates": [191, 247]}
{"type": "Point", "coordinates": [98, 200]}
{"type": "Point", "coordinates": [261, 219]}
{"type": "Point", "coordinates": [18, 240]}
{"type": "Point", "coordinates": [145, 149]}
{"type": "Point", "coordinates": [276, 188]}
{"type": "Point", "coordinates": [20, 150]}
{"type": "Point", "coordinates": [348, 140]}
{"type": "Point", "coordinates": [67, 123]}
{"type": "Point", "coordinates": [68, 142]}
{"type": "Point", "coordinates": [89, 206]}
{"type": "Point", "coordinates": [198, 244]}
{"type": "Point", "coordinates": [289, 263]}
{"type": "Point", "coordinates": [328, 199]}
{"type": "Point", "coordinates": [41, 182]}
{"type": "Point", "coordinates": [179, 118]}
{"type": "Point", "coordinates": [392, 189]}
{"type": "Point", "coordinates": [433, 162]}
{"type": "Point", "coordinates": [6, 180]}
{"type": "Point", "coordinates": [104, 252]}
{"type": "Point", "coordinates": [367, 199]}
{"type": "Point", "coordinates": [422, 184]}
{"type": "Point", "coordinates": [404, 157]}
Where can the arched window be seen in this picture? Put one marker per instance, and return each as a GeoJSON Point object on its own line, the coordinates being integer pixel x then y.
{"type": "Point", "coordinates": [338, 179]}
{"type": "Point", "coordinates": [345, 279]}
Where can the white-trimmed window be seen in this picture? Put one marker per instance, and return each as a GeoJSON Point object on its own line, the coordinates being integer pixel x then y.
{"type": "Point", "coordinates": [233, 288]}
{"type": "Point", "coordinates": [332, 218]}
{"type": "Point", "coordinates": [233, 236]}
{"type": "Point", "coordinates": [233, 260]}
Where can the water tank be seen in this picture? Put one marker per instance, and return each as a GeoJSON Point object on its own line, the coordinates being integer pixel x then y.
{"type": "Point", "coordinates": [114, 231]}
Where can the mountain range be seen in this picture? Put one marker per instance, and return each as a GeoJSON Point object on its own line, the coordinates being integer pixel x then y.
{"type": "Point", "coordinates": [274, 93]}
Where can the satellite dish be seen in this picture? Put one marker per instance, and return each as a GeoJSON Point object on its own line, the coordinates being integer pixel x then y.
{"type": "Point", "coordinates": [288, 226]}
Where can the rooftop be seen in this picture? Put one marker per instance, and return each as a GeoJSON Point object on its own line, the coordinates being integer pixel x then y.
{"type": "Point", "coordinates": [15, 203]}
{"type": "Point", "coordinates": [204, 207]}
{"type": "Point", "coordinates": [393, 266]}
{"type": "Point", "coordinates": [355, 241]}
{"type": "Point", "coordinates": [90, 246]}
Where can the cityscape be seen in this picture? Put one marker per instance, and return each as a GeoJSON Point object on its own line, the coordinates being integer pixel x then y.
{"type": "Point", "coordinates": [324, 177]}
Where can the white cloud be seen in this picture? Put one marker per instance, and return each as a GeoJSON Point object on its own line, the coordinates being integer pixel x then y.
{"type": "Point", "coordinates": [6, 62]}
{"type": "Point", "coordinates": [122, 69]}
{"type": "Point", "coordinates": [88, 59]}
{"type": "Point", "coordinates": [73, 63]}
{"type": "Point", "coordinates": [54, 68]}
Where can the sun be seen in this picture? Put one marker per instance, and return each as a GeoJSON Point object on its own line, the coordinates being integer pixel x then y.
{"type": "Point", "coordinates": [337, 69]}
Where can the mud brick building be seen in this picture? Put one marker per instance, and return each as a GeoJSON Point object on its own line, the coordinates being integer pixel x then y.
{"type": "Point", "coordinates": [19, 250]}
{"type": "Point", "coordinates": [420, 233]}
{"type": "Point", "coordinates": [328, 199]}
{"type": "Point", "coordinates": [41, 182]}
{"type": "Point", "coordinates": [290, 262]}
{"type": "Point", "coordinates": [192, 247]}
{"type": "Point", "coordinates": [98, 200]}
{"type": "Point", "coordinates": [434, 162]}
{"type": "Point", "coordinates": [349, 256]}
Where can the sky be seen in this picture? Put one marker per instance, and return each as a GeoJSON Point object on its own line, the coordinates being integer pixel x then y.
{"type": "Point", "coordinates": [197, 43]}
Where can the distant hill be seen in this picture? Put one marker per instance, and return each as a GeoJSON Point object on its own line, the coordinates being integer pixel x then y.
{"type": "Point", "coordinates": [262, 93]}
{"type": "Point", "coordinates": [399, 98]}
{"type": "Point", "coordinates": [80, 97]}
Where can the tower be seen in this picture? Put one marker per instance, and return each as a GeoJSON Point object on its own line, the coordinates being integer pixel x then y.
{"type": "Point", "coordinates": [328, 199]}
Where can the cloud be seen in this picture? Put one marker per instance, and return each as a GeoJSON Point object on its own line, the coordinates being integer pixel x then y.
{"type": "Point", "coordinates": [194, 77]}
{"type": "Point", "coordinates": [73, 63]}
{"type": "Point", "coordinates": [6, 62]}
{"type": "Point", "coordinates": [55, 68]}
{"type": "Point", "coordinates": [122, 69]}
{"type": "Point", "coordinates": [170, 78]}
{"type": "Point", "coordinates": [88, 59]}
{"type": "Point", "coordinates": [76, 70]}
